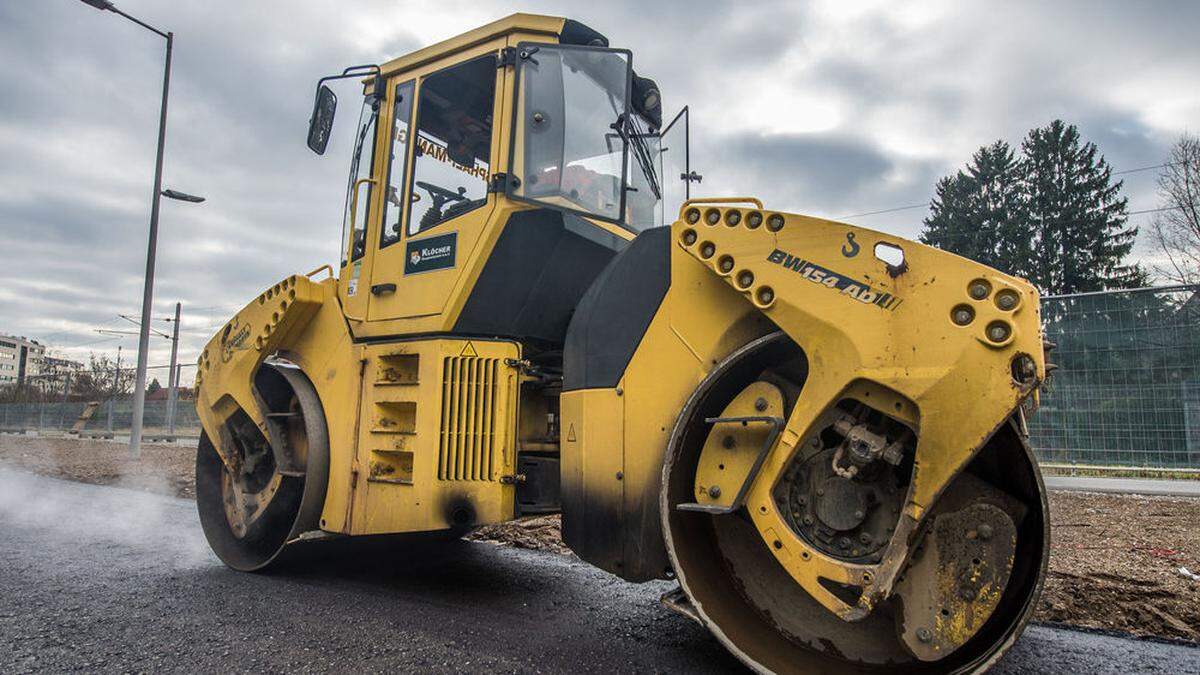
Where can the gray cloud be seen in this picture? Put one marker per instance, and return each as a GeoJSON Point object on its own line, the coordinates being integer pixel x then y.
{"type": "Point", "coordinates": [822, 107]}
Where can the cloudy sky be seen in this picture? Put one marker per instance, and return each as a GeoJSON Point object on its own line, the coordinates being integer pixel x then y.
{"type": "Point", "coordinates": [831, 108]}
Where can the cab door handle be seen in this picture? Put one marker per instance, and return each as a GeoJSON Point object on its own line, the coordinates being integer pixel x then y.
{"type": "Point", "coordinates": [380, 289]}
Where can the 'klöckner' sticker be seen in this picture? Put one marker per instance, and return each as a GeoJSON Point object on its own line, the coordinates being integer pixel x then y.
{"type": "Point", "coordinates": [431, 253]}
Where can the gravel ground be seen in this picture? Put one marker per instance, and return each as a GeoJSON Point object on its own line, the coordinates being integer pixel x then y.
{"type": "Point", "coordinates": [1114, 562]}
{"type": "Point", "coordinates": [109, 580]}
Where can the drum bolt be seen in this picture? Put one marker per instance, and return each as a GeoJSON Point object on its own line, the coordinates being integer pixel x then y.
{"type": "Point", "coordinates": [985, 532]}
{"type": "Point", "coordinates": [963, 315]}
{"type": "Point", "coordinates": [714, 491]}
{"type": "Point", "coordinates": [859, 514]}
{"type": "Point", "coordinates": [864, 538]}
{"type": "Point", "coordinates": [967, 594]}
{"type": "Point", "coordinates": [924, 635]}
{"type": "Point", "coordinates": [844, 542]}
{"type": "Point", "coordinates": [808, 520]}
{"type": "Point", "coordinates": [820, 492]}
{"type": "Point", "coordinates": [998, 331]}
{"type": "Point", "coordinates": [760, 404]}
{"type": "Point", "coordinates": [728, 443]}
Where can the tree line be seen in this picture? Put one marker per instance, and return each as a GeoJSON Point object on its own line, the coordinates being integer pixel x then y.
{"type": "Point", "coordinates": [1052, 212]}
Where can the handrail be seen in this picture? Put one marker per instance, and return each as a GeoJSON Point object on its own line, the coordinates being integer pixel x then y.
{"type": "Point", "coordinates": [327, 267]}
{"type": "Point", "coordinates": [724, 200]}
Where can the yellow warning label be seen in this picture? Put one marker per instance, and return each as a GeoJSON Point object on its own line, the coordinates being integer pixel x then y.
{"type": "Point", "coordinates": [571, 433]}
{"type": "Point", "coordinates": [469, 350]}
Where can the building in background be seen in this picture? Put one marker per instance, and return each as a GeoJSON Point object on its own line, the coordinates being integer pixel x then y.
{"type": "Point", "coordinates": [53, 366]}
{"type": "Point", "coordinates": [20, 358]}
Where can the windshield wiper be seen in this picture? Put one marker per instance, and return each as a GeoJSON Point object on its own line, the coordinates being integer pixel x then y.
{"type": "Point", "coordinates": [630, 130]}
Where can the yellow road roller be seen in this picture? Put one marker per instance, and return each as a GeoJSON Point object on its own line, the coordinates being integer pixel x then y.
{"type": "Point", "coordinates": [815, 428]}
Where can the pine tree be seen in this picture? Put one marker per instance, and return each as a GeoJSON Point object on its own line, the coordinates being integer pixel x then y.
{"type": "Point", "coordinates": [1054, 216]}
{"type": "Point", "coordinates": [979, 214]}
{"type": "Point", "coordinates": [1077, 214]}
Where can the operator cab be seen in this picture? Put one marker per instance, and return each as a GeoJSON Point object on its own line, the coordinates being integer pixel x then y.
{"type": "Point", "coordinates": [494, 176]}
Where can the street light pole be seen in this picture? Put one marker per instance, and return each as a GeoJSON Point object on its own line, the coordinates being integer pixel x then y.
{"type": "Point", "coordinates": [139, 394]}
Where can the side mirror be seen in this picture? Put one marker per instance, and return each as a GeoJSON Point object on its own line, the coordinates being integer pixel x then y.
{"type": "Point", "coordinates": [321, 123]}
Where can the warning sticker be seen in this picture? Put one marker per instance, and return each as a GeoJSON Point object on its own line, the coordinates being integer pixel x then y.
{"type": "Point", "coordinates": [469, 350]}
{"type": "Point", "coordinates": [571, 433]}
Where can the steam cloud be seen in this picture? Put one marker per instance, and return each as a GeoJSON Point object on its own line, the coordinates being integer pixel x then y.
{"type": "Point", "coordinates": [83, 516]}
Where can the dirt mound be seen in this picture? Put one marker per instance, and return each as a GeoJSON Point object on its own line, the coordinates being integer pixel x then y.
{"type": "Point", "coordinates": [1115, 564]}
{"type": "Point", "coordinates": [541, 533]}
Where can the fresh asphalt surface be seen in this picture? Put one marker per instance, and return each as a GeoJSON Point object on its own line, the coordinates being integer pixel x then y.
{"type": "Point", "coordinates": [104, 579]}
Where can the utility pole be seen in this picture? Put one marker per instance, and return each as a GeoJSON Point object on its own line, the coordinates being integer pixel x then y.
{"type": "Point", "coordinates": [175, 405]}
{"type": "Point", "coordinates": [116, 387]}
{"type": "Point", "coordinates": [173, 376]}
{"type": "Point", "coordinates": [62, 411]}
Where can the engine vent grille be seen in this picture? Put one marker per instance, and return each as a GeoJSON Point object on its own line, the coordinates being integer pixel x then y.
{"type": "Point", "coordinates": [468, 436]}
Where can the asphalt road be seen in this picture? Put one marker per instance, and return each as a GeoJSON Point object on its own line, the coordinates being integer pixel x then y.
{"type": "Point", "coordinates": [105, 579]}
{"type": "Point", "coordinates": [1125, 486]}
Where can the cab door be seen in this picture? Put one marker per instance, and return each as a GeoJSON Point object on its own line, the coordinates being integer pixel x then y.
{"type": "Point", "coordinates": [436, 199]}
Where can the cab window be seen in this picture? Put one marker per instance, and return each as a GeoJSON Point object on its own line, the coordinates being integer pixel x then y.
{"type": "Point", "coordinates": [358, 191]}
{"type": "Point", "coordinates": [393, 203]}
{"type": "Point", "coordinates": [452, 157]}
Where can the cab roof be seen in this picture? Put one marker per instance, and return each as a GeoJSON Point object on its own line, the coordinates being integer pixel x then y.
{"type": "Point", "coordinates": [551, 26]}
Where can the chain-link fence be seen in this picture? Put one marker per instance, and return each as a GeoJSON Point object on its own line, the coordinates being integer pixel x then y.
{"type": "Point", "coordinates": [94, 399]}
{"type": "Point", "coordinates": [1127, 391]}
{"type": "Point", "coordinates": [113, 415]}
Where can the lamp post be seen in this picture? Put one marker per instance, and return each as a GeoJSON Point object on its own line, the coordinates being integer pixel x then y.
{"type": "Point", "coordinates": [139, 395]}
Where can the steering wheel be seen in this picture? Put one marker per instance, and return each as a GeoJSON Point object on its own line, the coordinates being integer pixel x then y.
{"type": "Point", "coordinates": [441, 195]}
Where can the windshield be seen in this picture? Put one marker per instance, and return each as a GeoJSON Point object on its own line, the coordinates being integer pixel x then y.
{"type": "Point", "coordinates": [582, 149]}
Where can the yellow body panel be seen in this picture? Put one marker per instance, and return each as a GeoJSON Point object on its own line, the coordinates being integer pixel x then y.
{"type": "Point", "coordinates": [437, 434]}
{"type": "Point", "coordinates": [388, 441]}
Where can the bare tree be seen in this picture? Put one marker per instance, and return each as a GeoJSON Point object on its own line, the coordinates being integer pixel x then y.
{"type": "Point", "coordinates": [1175, 232]}
{"type": "Point", "coordinates": [102, 380]}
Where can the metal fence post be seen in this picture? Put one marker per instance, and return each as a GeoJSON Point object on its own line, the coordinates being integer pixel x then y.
{"type": "Point", "coordinates": [108, 426]}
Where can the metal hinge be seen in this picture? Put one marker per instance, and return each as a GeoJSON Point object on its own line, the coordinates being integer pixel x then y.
{"type": "Point", "coordinates": [500, 181]}
{"type": "Point", "coordinates": [512, 479]}
{"type": "Point", "coordinates": [506, 57]}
